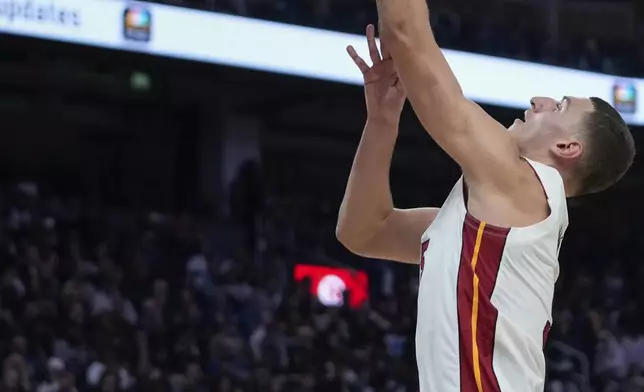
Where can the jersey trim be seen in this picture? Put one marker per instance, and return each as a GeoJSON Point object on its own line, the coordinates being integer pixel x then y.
{"type": "Point", "coordinates": [546, 332]}
{"type": "Point", "coordinates": [481, 255]}
{"type": "Point", "coordinates": [423, 249]}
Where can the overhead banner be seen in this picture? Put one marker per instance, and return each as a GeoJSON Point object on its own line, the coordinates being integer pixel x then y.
{"type": "Point", "coordinates": [275, 47]}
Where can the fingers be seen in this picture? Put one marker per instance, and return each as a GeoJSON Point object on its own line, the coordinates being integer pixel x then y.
{"type": "Point", "coordinates": [374, 53]}
{"type": "Point", "coordinates": [371, 41]}
{"type": "Point", "coordinates": [364, 68]}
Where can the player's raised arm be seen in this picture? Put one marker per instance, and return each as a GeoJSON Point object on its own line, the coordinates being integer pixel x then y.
{"type": "Point", "coordinates": [480, 145]}
{"type": "Point", "coordinates": [368, 224]}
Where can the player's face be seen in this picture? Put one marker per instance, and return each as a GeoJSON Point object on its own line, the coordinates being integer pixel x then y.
{"type": "Point", "coordinates": [549, 121]}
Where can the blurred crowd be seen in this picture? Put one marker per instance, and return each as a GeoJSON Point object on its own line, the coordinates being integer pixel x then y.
{"type": "Point", "coordinates": [107, 299]}
{"type": "Point", "coordinates": [466, 29]}
{"type": "Point", "coordinates": [96, 299]}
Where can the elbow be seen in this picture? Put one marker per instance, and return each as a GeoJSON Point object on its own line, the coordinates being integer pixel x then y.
{"type": "Point", "coordinates": [349, 239]}
{"type": "Point", "coordinates": [342, 235]}
{"type": "Point", "coordinates": [345, 229]}
{"type": "Point", "coordinates": [359, 240]}
{"type": "Point", "coordinates": [358, 232]}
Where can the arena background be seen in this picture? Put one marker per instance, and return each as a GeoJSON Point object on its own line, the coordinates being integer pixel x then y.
{"type": "Point", "coordinates": [169, 224]}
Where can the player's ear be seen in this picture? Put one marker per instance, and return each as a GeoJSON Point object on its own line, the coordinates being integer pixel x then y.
{"type": "Point", "coordinates": [567, 150]}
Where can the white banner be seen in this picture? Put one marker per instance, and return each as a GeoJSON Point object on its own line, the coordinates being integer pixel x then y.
{"type": "Point", "coordinates": [274, 47]}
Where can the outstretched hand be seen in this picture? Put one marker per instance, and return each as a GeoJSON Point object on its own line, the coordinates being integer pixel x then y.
{"type": "Point", "coordinates": [384, 93]}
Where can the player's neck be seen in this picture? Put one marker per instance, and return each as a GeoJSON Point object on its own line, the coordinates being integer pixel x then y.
{"type": "Point", "coordinates": [571, 188]}
{"type": "Point", "coordinates": [569, 180]}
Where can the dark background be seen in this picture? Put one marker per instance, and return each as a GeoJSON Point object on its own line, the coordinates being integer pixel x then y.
{"type": "Point", "coordinates": [133, 180]}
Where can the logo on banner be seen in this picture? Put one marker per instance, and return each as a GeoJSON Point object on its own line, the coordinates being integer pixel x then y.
{"type": "Point", "coordinates": [625, 97]}
{"type": "Point", "coordinates": [137, 24]}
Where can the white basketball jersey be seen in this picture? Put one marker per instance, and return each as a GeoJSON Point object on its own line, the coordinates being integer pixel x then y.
{"type": "Point", "coordinates": [485, 296]}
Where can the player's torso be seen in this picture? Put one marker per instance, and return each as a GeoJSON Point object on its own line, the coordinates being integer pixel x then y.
{"type": "Point", "coordinates": [485, 296]}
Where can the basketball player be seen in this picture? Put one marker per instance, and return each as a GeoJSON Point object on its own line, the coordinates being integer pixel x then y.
{"type": "Point", "coordinates": [488, 256]}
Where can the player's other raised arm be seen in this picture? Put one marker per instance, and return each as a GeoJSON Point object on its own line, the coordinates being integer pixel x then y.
{"type": "Point", "coordinates": [480, 145]}
{"type": "Point", "coordinates": [368, 224]}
